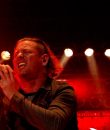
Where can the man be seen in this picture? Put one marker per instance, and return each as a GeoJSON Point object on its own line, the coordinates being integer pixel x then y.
{"type": "Point", "coordinates": [33, 99]}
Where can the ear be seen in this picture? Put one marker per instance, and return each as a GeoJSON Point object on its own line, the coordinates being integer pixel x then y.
{"type": "Point", "coordinates": [45, 59]}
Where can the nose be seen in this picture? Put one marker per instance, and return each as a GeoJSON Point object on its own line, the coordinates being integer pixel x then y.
{"type": "Point", "coordinates": [20, 54]}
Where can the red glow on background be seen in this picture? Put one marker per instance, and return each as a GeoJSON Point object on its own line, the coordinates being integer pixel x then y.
{"type": "Point", "coordinates": [99, 120]}
{"type": "Point", "coordinates": [87, 90]}
{"type": "Point", "coordinates": [82, 87]}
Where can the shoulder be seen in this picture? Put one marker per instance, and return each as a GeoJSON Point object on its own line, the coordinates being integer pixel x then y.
{"type": "Point", "coordinates": [61, 85]}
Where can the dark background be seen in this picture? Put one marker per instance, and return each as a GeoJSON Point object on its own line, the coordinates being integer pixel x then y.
{"type": "Point", "coordinates": [63, 24]}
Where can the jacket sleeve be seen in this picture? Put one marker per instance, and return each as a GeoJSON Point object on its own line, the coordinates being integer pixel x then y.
{"type": "Point", "coordinates": [56, 117]}
{"type": "Point", "coordinates": [3, 112]}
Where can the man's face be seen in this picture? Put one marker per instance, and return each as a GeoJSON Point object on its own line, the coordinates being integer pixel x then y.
{"type": "Point", "coordinates": [27, 61]}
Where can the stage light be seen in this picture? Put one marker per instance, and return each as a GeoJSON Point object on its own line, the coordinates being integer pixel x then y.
{"type": "Point", "coordinates": [89, 52]}
{"type": "Point", "coordinates": [68, 52]}
{"type": "Point", "coordinates": [93, 129]}
{"type": "Point", "coordinates": [66, 56]}
{"type": "Point", "coordinates": [107, 52]}
{"type": "Point", "coordinates": [5, 55]}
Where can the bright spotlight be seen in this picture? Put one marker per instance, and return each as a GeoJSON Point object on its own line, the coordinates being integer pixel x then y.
{"type": "Point", "coordinates": [5, 55]}
{"type": "Point", "coordinates": [107, 52]}
{"type": "Point", "coordinates": [93, 129]}
{"type": "Point", "coordinates": [89, 52]}
{"type": "Point", "coordinates": [68, 52]}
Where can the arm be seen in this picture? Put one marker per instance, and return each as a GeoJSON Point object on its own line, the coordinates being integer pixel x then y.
{"type": "Point", "coordinates": [53, 118]}
{"type": "Point", "coordinates": [3, 111]}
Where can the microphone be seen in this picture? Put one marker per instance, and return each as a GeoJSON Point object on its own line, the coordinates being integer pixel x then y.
{"type": "Point", "coordinates": [5, 55]}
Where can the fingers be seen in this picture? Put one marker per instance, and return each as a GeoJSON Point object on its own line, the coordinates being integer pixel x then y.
{"type": "Point", "coordinates": [3, 72]}
{"type": "Point", "coordinates": [6, 72]}
{"type": "Point", "coordinates": [10, 72]}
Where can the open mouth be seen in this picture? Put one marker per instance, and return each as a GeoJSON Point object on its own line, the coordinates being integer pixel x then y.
{"type": "Point", "coordinates": [21, 65]}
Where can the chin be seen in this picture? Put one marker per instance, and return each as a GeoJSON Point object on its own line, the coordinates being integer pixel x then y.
{"type": "Point", "coordinates": [22, 73]}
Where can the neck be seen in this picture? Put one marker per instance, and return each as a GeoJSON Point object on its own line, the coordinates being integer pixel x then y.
{"type": "Point", "coordinates": [32, 85]}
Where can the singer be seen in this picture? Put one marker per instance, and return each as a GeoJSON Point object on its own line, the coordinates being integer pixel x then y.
{"type": "Point", "coordinates": [32, 97]}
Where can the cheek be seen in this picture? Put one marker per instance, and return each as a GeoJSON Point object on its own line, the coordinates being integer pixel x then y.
{"type": "Point", "coordinates": [35, 63]}
{"type": "Point", "coordinates": [35, 60]}
{"type": "Point", "coordinates": [35, 68]}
